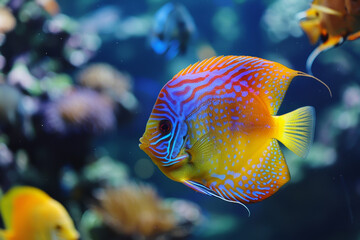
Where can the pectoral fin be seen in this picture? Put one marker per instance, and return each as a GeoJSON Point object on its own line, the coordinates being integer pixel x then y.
{"type": "Point", "coordinates": [204, 147]}
{"type": "Point", "coordinates": [310, 24]}
{"type": "Point", "coordinates": [312, 29]}
{"type": "Point", "coordinates": [353, 36]}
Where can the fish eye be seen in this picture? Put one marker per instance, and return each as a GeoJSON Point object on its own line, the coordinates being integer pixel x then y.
{"type": "Point", "coordinates": [58, 227]}
{"type": "Point", "coordinates": [165, 126]}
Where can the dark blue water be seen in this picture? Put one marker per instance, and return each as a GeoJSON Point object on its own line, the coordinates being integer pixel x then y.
{"type": "Point", "coordinates": [323, 199]}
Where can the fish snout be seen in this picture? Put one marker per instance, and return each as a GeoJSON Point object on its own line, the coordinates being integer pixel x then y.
{"type": "Point", "coordinates": [144, 143]}
{"type": "Point", "coordinates": [75, 237]}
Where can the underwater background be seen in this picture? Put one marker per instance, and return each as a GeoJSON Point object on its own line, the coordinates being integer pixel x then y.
{"type": "Point", "coordinates": [78, 84]}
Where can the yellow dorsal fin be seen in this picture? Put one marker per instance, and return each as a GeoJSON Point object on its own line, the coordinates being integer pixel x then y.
{"type": "Point", "coordinates": [9, 201]}
{"type": "Point", "coordinates": [204, 65]}
{"type": "Point", "coordinates": [312, 29]}
{"type": "Point", "coordinates": [267, 79]}
{"type": "Point", "coordinates": [326, 10]}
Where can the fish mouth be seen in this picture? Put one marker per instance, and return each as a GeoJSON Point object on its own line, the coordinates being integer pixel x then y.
{"type": "Point", "coordinates": [143, 144]}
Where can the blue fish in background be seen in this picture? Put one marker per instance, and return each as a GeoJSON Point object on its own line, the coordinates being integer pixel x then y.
{"type": "Point", "coordinates": [172, 30]}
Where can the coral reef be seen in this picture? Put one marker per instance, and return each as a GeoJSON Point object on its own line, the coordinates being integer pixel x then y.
{"type": "Point", "coordinates": [108, 80]}
{"type": "Point", "coordinates": [135, 210]}
{"type": "Point", "coordinates": [80, 110]}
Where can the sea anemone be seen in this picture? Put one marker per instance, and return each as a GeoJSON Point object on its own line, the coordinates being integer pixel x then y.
{"type": "Point", "coordinates": [135, 210]}
{"type": "Point", "coordinates": [105, 78]}
{"type": "Point", "coordinates": [79, 111]}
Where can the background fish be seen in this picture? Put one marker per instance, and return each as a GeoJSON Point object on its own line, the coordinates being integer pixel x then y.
{"type": "Point", "coordinates": [212, 128]}
{"type": "Point", "coordinates": [30, 214]}
{"type": "Point", "coordinates": [172, 29]}
{"type": "Point", "coordinates": [334, 21]}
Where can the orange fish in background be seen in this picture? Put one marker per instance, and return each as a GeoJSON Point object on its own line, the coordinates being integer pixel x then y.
{"type": "Point", "coordinates": [30, 214]}
{"type": "Point", "coordinates": [334, 21]}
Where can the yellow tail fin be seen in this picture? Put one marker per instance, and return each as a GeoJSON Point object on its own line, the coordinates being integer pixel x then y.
{"type": "Point", "coordinates": [296, 130]}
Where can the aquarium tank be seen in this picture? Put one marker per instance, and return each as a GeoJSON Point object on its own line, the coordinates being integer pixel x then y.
{"type": "Point", "coordinates": [169, 120]}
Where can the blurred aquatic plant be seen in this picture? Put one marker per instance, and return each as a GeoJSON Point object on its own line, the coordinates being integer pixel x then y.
{"type": "Point", "coordinates": [217, 224]}
{"type": "Point", "coordinates": [50, 6]}
{"type": "Point", "coordinates": [280, 21]}
{"type": "Point", "coordinates": [81, 47]}
{"type": "Point", "coordinates": [79, 111]}
{"type": "Point", "coordinates": [21, 77]}
{"type": "Point", "coordinates": [6, 156]}
{"type": "Point", "coordinates": [320, 156]}
{"type": "Point", "coordinates": [48, 35]}
{"type": "Point", "coordinates": [108, 80]}
{"type": "Point", "coordinates": [103, 20]}
{"type": "Point", "coordinates": [103, 77]}
{"type": "Point", "coordinates": [134, 26]}
{"type": "Point", "coordinates": [345, 117]}
{"type": "Point", "coordinates": [10, 99]}
{"type": "Point", "coordinates": [144, 168]}
{"type": "Point", "coordinates": [226, 24]}
{"type": "Point", "coordinates": [135, 211]}
{"type": "Point", "coordinates": [106, 171]}
{"type": "Point", "coordinates": [47, 120]}
{"type": "Point", "coordinates": [7, 165]}
{"type": "Point", "coordinates": [205, 51]}
{"type": "Point", "coordinates": [7, 21]}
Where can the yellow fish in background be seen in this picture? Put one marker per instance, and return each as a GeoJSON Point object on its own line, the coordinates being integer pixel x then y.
{"type": "Point", "coordinates": [30, 214]}
{"type": "Point", "coordinates": [334, 21]}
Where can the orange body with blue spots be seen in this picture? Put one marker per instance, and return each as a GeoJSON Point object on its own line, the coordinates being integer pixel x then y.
{"type": "Point", "coordinates": [213, 128]}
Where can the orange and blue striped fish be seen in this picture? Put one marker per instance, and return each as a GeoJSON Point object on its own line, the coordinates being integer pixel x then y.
{"type": "Point", "coordinates": [213, 128]}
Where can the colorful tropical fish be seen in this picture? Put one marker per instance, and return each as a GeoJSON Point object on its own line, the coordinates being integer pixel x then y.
{"type": "Point", "coordinates": [334, 21]}
{"type": "Point", "coordinates": [213, 128]}
{"type": "Point", "coordinates": [30, 214]}
{"type": "Point", "coordinates": [172, 30]}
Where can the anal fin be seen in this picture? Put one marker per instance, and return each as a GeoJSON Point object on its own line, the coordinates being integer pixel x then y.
{"type": "Point", "coordinates": [257, 179]}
